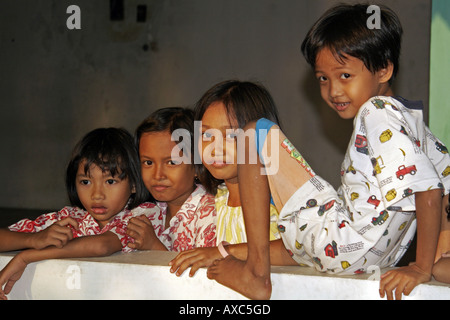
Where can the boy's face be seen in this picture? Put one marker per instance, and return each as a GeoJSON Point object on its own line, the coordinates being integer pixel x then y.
{"type": "Point", "coordinates": [346, 85]}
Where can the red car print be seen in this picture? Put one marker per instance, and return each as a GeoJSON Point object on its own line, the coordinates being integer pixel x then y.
{"type": "Point", "coordinates": [403, 170]}
{"type": "Point", "coordinates": [361, 144]}
{"type": "Point", "coordinates": [373, 200]}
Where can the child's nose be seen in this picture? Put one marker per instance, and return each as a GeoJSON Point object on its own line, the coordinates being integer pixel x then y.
{"type": "Point", "coordinates": [335, 89]}
{"type": "Point", "coordinates": [158, 173]}
{"type": "Point", "coordinates": [97, 193]}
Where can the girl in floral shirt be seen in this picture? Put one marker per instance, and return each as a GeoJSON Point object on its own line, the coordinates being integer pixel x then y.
{"type": "Point", "coordinates": [105, 189]}
{"type": "Point", "coordinates": [187, 218]}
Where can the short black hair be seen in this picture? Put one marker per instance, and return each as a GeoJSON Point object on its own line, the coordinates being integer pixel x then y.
{"type": "Point", "coordinates": [112, 150]}
{"type": "Point", "coordinates": [245, 102]}
{"type": "Point", "coordinates": [343, 29]}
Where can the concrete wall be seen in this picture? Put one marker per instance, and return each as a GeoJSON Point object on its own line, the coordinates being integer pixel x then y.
{"type": "Point", "coordinates": [56, 84]}
{"type": "Point", "coordinates": [144, 275]}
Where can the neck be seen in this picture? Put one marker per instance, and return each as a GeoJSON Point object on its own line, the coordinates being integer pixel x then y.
{"type": "Point", "coordinates": [386, 91]}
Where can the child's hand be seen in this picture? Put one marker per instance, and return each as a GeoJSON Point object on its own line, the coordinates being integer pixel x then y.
{"type": "Point", "coordinates": [195, 258]}
{"type": "Point", "coordinates": [143, 233]}
{"type": "Point", "coordinates": [58, 234]}
{"type": "Point", "coordinates": [403, 280]}
{"type": "Point", "coordinates": [10, 274]}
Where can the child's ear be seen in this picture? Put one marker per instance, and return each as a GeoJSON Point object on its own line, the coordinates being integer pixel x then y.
{"type": "Point", "coordinates": [133, 189]}
{"type": "Point", "coordinates": [385, 74]}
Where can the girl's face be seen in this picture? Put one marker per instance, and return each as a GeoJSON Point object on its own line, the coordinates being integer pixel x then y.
{"type": "Point", "coordinates": [218, 156]}
{"type": "Point", "coordinates": [346, 85]}
{"type": "Point", "coordinates": [101, 194]}
{"type": "Point", "coordinates": [166, 179]}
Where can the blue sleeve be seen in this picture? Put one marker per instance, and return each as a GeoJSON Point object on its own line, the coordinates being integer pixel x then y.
{"type": "Point", "coordinates": [262, 128]}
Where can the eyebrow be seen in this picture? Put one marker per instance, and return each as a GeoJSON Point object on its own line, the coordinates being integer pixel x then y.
{"type": "Point", "coordinates": [144, 157]}
{"type": "Point", "coordinates": [87, 175]}
{"type": "Point", "coordinates": [221, 128]}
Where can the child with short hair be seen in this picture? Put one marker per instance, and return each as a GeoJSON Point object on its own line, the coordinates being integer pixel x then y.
{"type": "Point", "coordinates": [187, 218]}
{"type": "Point", "coordinates": [105, 189]}
{"type": "Point", "coordinates": [394, 169]}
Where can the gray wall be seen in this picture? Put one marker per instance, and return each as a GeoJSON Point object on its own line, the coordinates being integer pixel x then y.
{"type": "Point", "coordinates": [56, 84]}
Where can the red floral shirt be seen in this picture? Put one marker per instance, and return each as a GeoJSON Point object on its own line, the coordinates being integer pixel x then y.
{"type": "Point", "coordinates": [193, 226]}
{"type": "Point", "coordinates": [87, 224]}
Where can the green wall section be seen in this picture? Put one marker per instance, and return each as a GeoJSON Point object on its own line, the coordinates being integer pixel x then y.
{"type": "Point", "coordinates": [440, 70]}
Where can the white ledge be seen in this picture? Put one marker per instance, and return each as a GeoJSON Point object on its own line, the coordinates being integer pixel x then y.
{"type": "Point", "coordinates": [145, 275]}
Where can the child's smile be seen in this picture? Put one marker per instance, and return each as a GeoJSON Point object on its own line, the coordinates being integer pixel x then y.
{"type": "Point", "coordinates": [347, 84]}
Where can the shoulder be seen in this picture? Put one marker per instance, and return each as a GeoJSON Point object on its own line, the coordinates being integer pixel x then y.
{"type": "Point", "coordinates": [379, 105]}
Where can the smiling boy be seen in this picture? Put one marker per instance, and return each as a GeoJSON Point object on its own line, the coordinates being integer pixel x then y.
{"type": "Point", "coordinates": [397, 175]}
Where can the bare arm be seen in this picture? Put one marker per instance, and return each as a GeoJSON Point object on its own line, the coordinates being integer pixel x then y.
{"type": "Point", "coordinates": [444, 236]}
{"type": "Point", "coordinates": [89, 246]}
{"type": "Point", "coordinates": [405, 279]}
{"type": "Point", "coordinates": [58, 235]}
{"type": "Point", "coordinates": [10, 240]}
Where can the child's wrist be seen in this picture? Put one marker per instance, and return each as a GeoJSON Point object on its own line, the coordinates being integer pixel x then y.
{"type": "Point", "coordinates": [423, 270]}
{"type": "Point", "coordinates": [222, 249]}
{"type": "Point", "coordinates": [30, 241]}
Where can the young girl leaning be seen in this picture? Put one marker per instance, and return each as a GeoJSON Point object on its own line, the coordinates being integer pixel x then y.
{"type": "Point", "coordinates": [222, 111]}
{"type": "Point", "coordinates": [187, 218]}
{"type": "Point", "coordinates": [105, 189]}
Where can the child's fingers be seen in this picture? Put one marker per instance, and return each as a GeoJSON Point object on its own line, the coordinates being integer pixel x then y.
{"type": "Point", "coordinates": [144, 219]}
{"type": "Point", "coordinates": [68, 221]}
{"type": "Point", "coordinates": [385, 285]}
{"type": "Point", "coordinates": [181, 262]}
{"type": "Point", "coordinates": [60, 239]}
{"type": "Point", "coordinates": [132, 245]}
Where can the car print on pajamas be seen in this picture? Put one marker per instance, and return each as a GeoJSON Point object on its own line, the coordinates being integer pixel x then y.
{"type": "Point", "coordinates": [361, 144]}
{"type": "Point", "coordinates": [324, 208]}
{"type": "Point", "coordinates": [373, 200]}
{"type": "Point", "coordinates": [441, 148]}
{"type": "Point", "coordinates": [377, 221]}
{"type": "Point", "coordinates": [403, 170]}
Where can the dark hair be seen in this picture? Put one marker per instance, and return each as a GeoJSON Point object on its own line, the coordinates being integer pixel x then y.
{"type": "Point", "coordinates": [343, 29]}
{"type": "Point", "coordinates": [169, 119]}
{"type": "Point", "coordinates": [112, 150]}
{"type": "Point", "coordinates": [245, 102]}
